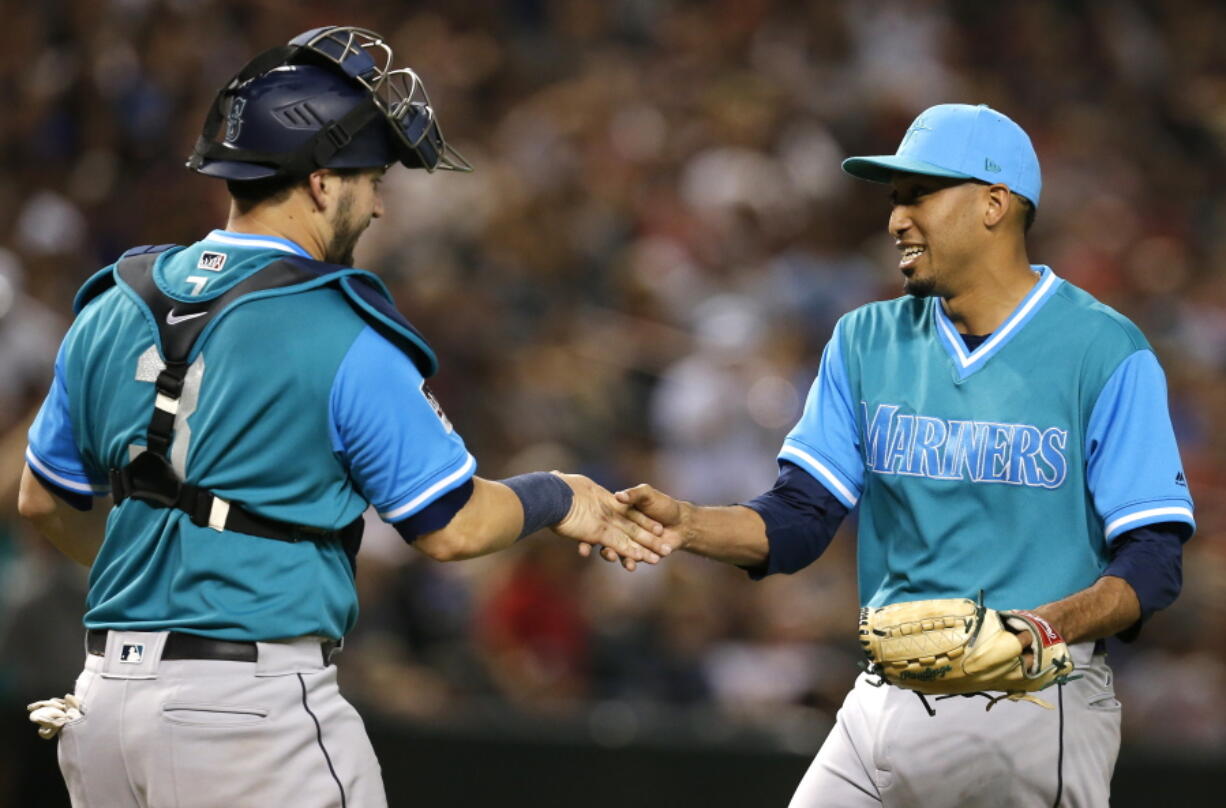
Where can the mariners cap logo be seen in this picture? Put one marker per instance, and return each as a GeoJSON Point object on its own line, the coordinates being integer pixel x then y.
{"type": "Point", "coordinates": [920, 125]}
{"type": "Point", "coordinates": [234, 119]}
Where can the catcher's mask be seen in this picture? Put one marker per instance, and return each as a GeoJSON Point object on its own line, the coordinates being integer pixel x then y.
{"type": "Point", "coordinates": [327, 99]}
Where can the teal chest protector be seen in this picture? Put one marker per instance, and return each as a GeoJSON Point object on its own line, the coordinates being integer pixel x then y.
{"type": "Point", "coordinates": [149, 477]}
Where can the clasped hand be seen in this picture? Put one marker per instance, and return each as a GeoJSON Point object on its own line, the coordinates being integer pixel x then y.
{"type": "Point", "coordinates": [636, 525]}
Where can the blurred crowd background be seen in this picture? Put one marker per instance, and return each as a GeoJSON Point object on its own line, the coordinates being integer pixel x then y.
{"type": "Point", "coordinates": [637, 283]}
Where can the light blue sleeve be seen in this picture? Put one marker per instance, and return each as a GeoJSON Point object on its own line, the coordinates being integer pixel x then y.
{"type": "Point", "coordinates": [825, 442]}
{"type": "Point", "coordinates": [396, 442]}
{"type": "Point", "coordinates": [1132, 463]}
{"type": "Point", "coordinates": [52, 451]}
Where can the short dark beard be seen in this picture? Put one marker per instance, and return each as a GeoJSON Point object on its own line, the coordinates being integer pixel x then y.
{"type": "Point", "coordinates": [919, 287]}
{"type": "Point", "coordinates": [344, 234]}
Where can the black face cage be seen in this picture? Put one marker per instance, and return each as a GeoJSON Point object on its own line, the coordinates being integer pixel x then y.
{"type": "Point", "coordinates": [397, 94]}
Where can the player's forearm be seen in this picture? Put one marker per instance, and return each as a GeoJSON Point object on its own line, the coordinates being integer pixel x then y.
{"type": "Point", "coordinates": [733, 534]}
{"type": "Point", "coordinates": [1102, 610]}
{"type": "Point", "coordinates": [490, 521]}
{"type": "Point", "coordinates": [76, 534]}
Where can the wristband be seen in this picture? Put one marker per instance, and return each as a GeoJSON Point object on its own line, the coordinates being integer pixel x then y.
{"type": "Point", "coordinates": [546, 499]}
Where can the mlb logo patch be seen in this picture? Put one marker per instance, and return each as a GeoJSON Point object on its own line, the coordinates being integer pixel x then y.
{"type": "Point", "coordinates": [132, 653]}
{"type": "Point", "coordinates": [212, 261]}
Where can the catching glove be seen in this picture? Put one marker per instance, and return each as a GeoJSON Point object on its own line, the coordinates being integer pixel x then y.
{"type": "Point", "coordinates": [955, 646]}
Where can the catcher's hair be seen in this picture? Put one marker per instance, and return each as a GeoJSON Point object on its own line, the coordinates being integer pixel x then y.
{"type": "Point", "coordinates": [247, 194]}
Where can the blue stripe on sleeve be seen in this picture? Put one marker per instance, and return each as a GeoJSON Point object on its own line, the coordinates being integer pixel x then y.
{"type": "Point", "coordinates": [825, 442]}
{"type": "Point", "coordinates": [1132, 462]}
{"type": "Point", "coordinates": [398, 448]}
{"type": "Point", "coordinates": [52, 451]}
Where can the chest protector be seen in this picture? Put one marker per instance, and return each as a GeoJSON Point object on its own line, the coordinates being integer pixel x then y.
{"type": "Point", "coordinates": [149, 477]}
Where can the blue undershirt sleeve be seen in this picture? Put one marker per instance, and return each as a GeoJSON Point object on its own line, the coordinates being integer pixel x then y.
{"type": "Point", "coordinates": [1150, 559]}
{"type": "Point", "coordinates": [1132, 462]}
{"type": "Point", "coordinates": [437, 515]}
{"type": "Point", "coordinates": [801, 518]}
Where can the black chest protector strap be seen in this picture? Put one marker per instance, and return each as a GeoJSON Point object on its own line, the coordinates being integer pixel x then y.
{"type": "Point", "coordinates": [150, 477]}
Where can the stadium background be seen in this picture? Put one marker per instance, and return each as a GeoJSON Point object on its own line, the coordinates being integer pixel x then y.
{"type": "Point", "coordinates": [636, 284]}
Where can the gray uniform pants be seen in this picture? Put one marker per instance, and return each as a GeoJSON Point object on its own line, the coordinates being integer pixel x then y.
{"type": "Point", "coordinates": [204, 733]}
{"type": "Point", "coordinates": [885, 751]}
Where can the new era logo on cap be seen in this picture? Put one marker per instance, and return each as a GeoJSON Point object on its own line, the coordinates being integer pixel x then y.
{"type": "Point", "coordinates": [988, 165]}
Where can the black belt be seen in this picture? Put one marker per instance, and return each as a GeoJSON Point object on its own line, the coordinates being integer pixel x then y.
{"type": "Point", "coordinates": [193, 646]}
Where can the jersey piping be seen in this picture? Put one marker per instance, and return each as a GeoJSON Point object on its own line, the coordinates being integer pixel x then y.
{"type": "Point", "coordinates": [425, 496]}
{"type": "Point", "coordinates": [967, 363]}
{"type": "Point", "coordinates": [72, 485]}
{"type": "Point", "coordinates": [251, 241]}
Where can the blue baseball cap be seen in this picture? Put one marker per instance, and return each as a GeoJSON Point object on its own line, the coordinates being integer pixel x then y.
{"type": "Point", "coordinates": [961, 141]}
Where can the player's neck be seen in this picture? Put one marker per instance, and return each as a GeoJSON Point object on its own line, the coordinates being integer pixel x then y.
{"type": "Point", "coordinates": [990, 297]}
{"type": "Point", "coordinates": [265, 221]}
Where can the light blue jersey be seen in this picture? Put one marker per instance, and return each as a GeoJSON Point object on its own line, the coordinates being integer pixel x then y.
{"type": "Point", "coordinates": [1009, 468]}
{"type": "Point", "coordinates": [293, 406]}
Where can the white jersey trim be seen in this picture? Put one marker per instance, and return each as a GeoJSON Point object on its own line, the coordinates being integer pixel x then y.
{"type": "Point", "coordinates": [1147, 516]}
{"type": "Point", "coordinates": [71, 485]}
{"type": "Point", "coordinates": [849, 499]}
{"type": "Point", "coordinates": [256, 242]}
{"type": "Point", "coordinates": [412, 505]}
{"type": "Point", "coordinates": [953, 340]}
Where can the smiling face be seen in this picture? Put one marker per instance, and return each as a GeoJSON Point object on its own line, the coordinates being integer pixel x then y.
{"type": "Point", "coordinates": [937, 225]}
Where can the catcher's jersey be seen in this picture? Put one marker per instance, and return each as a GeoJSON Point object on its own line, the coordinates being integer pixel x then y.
{"type": "Point", "coordinates": [293, 405]}
{"type": "Point", "coordinates": [1009, 468]}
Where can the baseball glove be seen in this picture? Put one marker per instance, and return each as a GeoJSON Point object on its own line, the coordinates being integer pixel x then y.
{"type": "Point", "coordinates": [956, 646]}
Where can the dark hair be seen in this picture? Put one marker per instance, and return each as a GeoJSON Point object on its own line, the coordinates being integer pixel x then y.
{"type": "Point", "coordinates": [249, 193]}
{"type": "Point", "coordinates": [1031, 211]}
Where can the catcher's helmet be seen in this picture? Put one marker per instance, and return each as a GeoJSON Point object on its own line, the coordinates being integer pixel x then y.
{"type": "Point", "coordinates": [322, 101]}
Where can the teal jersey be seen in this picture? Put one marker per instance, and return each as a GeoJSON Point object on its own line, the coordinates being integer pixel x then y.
{"type": "Point", "coordinates": [293, 405]}
{"type": "Point", "coordinates": [1007, 469]}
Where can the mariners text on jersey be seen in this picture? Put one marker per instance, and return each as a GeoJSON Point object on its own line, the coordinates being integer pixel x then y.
{"type": "Point", "coordinates": [965, 463]}
{"type": "Point", "coordinates": [974, 451]}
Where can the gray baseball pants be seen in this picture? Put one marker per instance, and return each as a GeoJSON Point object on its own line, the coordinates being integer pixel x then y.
{"type": "Point", "coordinates": [215, 734]}
{"type": "Point", "coordinates": [886, 751]}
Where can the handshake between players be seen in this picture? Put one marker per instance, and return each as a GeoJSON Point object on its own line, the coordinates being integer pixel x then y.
{"type": "Point", "coordinates": [644, 524]}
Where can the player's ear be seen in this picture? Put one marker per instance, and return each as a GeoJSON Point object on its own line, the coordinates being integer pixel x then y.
{"type": "Point", "coordinates": [322, 185]}
{"type": "Point", "coordinates": [999, 201]}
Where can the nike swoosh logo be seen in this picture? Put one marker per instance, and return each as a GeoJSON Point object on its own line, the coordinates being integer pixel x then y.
{"type": "Point", "coordinates": [173, 319]}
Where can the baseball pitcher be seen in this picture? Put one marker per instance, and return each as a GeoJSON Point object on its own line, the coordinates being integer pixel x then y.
{"type": "Point", "coordinates": [1007, 441]}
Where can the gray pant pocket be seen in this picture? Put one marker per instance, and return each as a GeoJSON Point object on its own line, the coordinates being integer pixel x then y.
{"type": "Point", "coordinates": [212, 715]}
{"type": "Point", "coordinates": [1105, 702]}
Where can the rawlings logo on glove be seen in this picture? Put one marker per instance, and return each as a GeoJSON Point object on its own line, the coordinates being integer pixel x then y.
{"type": "Point", "coordinates": [955, 646]}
